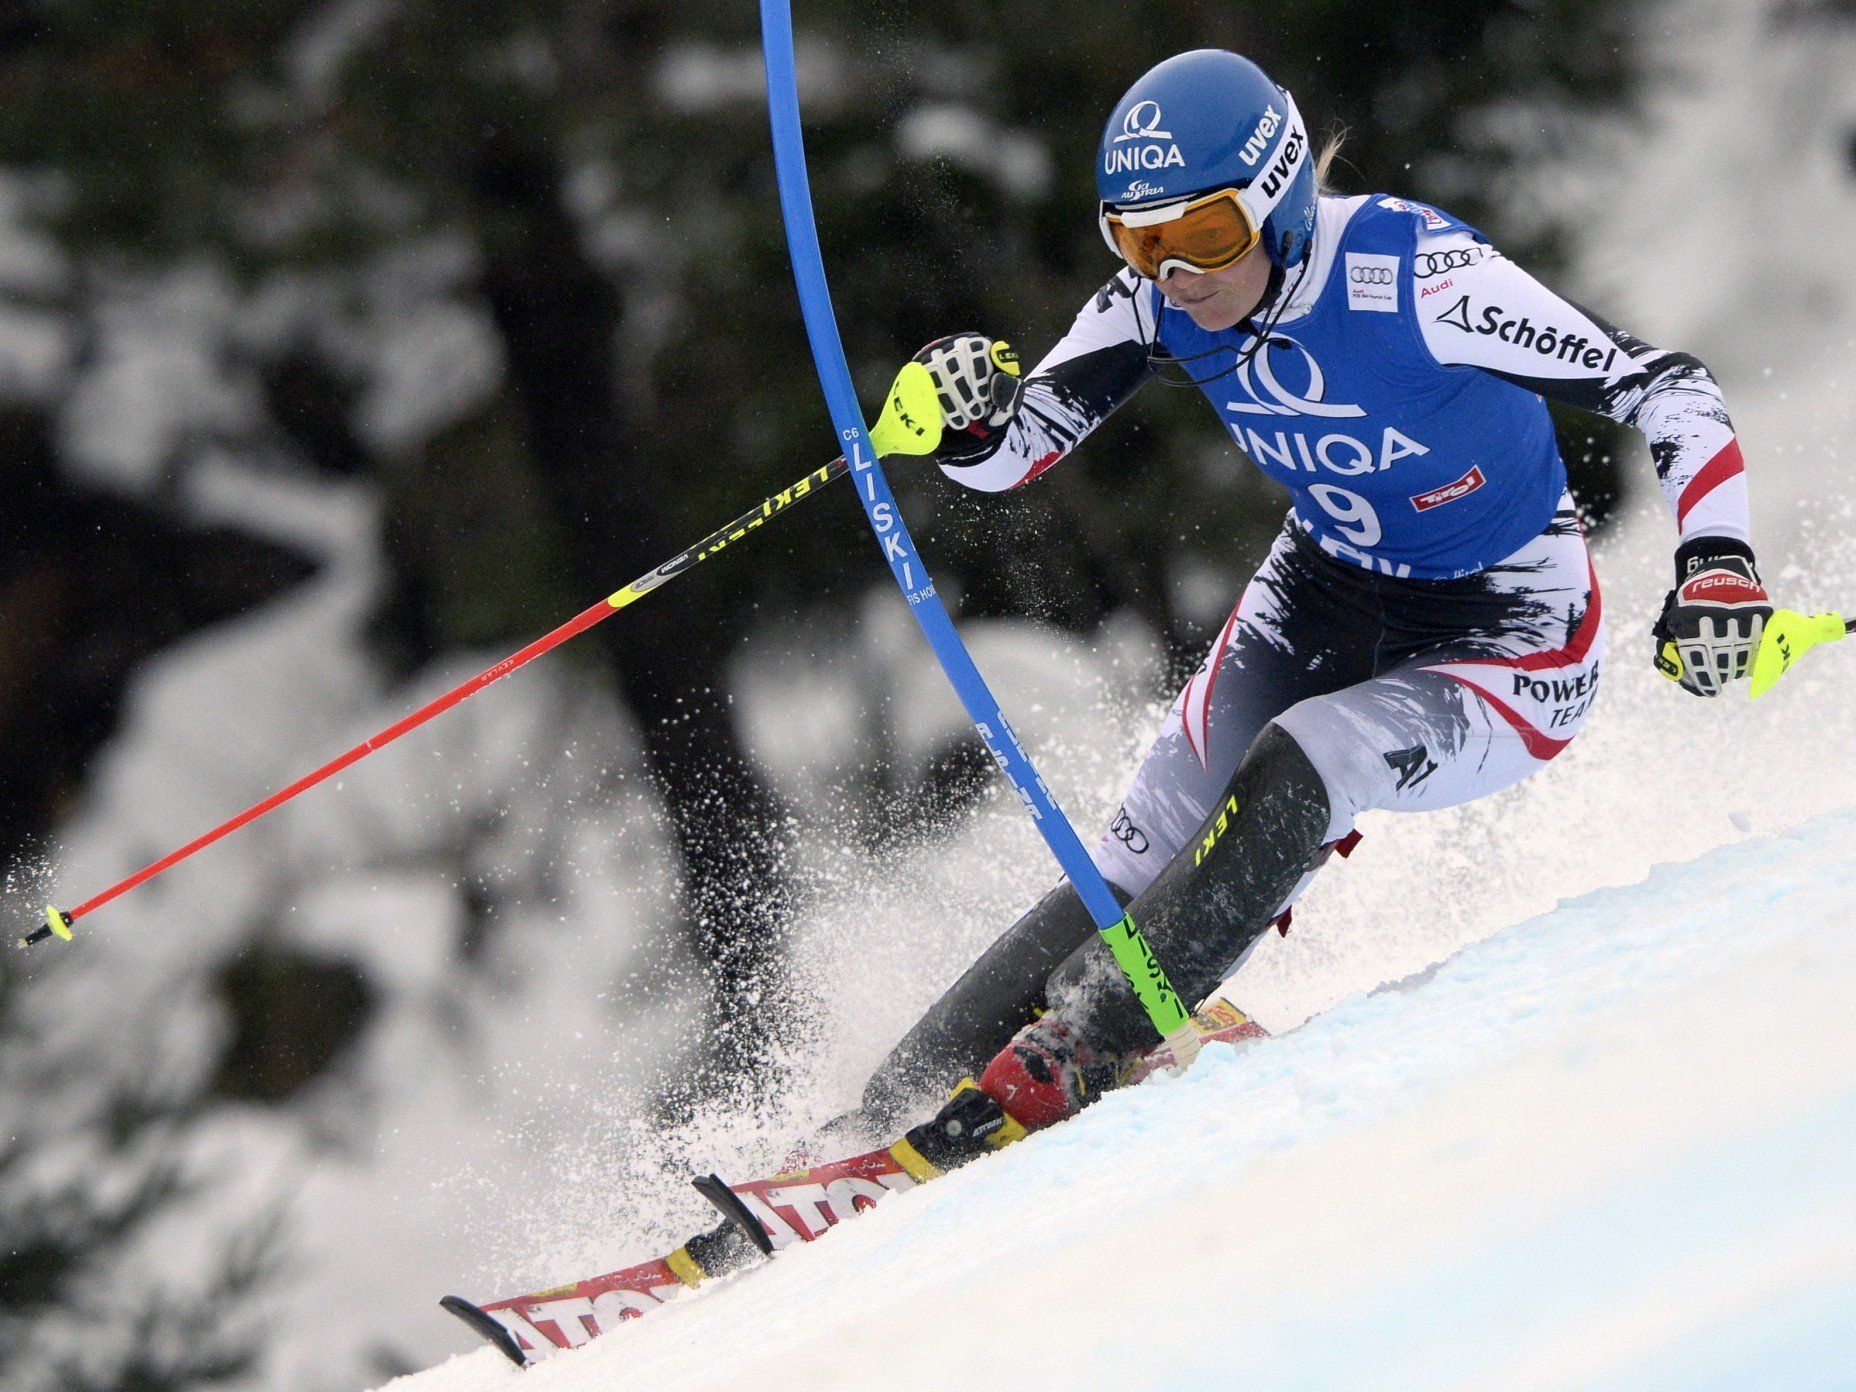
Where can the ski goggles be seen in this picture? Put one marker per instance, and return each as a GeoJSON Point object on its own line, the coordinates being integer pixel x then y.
{"type": "Point", "coordinates": [1200, 234]}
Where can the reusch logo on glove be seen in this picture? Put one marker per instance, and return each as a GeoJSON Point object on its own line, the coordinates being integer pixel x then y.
{"type": "Point", "coordinates": [1722, 587]}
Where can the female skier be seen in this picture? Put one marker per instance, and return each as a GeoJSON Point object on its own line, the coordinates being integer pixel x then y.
{"type": "Point", "coordinates": [1427, 627]}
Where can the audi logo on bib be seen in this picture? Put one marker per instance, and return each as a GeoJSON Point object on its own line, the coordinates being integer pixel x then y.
{"type": "Point", "coordinates": [1372, 282]}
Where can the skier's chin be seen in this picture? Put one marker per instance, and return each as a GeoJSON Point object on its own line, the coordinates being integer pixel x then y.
{"type": "Point", "coordinates": [1216, 311]}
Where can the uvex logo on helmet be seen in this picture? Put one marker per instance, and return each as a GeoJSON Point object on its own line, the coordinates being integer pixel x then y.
{"type": "Point", "coordinates": [1260, 137]}
{"type": "Point", "coordinates": [1279, 173]}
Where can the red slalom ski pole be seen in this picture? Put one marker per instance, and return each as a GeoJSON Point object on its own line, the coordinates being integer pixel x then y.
{"type": "Point", "coordinates": [58, 923]}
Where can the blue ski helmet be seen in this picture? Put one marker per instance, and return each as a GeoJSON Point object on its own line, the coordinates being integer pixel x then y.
{"type": "Point", "coordinates": [1209, 120]}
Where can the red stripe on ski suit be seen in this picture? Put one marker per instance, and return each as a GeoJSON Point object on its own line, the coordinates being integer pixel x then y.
{"type": "Point", "coordinates": [1038, 467]}
{"type": "Point", "coordinates": [1726, 464]}
{"type": "Point", "coordinates": [1541, 746]}
{"type": "Point", "coordinates": [1211, 680]}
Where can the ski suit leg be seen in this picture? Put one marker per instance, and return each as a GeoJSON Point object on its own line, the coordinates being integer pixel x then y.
{"type": "Point", "coordinates": [1462, 719]}
{"type": "Point", "coordinates": [1212, 899]}
{"type": "Point", "coordinates": [1290, 638]}
{"type": "Point", "coordinates": [1435, 735]}
{"type": "Point", "coordinates": [978, 1013]}
{"type": "Point", "coordinates": [1283, 643]}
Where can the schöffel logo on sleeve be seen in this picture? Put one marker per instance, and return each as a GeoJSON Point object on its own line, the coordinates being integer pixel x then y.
{"type": "Point", "coordinates": [1450, 492]}
{"type": "Point", "coordinates": [1560, 344]}
{"type": "Point", "coordinates": [1372, 282]}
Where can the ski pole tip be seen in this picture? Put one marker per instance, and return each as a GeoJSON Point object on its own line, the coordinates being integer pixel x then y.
{"type": "Point", "coordinates": [57, 924]}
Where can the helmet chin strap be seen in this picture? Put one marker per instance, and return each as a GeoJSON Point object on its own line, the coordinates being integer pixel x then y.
{"type": "Point", "coordinates": [1274, 295]}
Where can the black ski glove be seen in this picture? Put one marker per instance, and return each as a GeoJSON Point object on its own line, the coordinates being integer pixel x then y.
{"type": "Point", "coordinates": [977, 380]}
{"type": "Point", "coordinates": [1713, 619]}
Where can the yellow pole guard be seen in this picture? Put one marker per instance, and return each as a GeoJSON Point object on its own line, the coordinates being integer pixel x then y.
{"type": "Point", "coordinates": [58, 923]}
{"type": "Point", "coordinates": [910, 422]}
{"type": "Point", "coordinates": [1789, 636]}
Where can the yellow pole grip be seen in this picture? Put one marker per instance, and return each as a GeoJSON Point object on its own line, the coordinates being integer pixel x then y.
{"type": "Point", "coordinates": [1789, 636]}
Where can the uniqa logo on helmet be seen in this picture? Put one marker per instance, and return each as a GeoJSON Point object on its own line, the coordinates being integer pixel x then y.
{"type": "Point", "coordinates": [1142, 123]}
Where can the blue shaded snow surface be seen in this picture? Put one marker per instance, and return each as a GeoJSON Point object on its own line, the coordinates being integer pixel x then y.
{"type": "Point", "coordinates": [1612, 1149]}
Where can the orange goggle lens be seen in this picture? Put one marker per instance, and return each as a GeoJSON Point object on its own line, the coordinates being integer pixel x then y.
{"type": "Point", "coordinates": [1208, 234]}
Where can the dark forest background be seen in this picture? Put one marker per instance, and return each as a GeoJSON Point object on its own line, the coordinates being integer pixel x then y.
{"type": "Point", "coordinates": [597, 176]}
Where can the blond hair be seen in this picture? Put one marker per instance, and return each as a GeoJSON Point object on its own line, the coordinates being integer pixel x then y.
{"type": "Point", "coordinates": [1324, 162]}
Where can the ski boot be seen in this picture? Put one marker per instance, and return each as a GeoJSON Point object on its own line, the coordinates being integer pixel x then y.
{"type": "Point", "coordinates": [1048, 1073]}
{"type": "Point", "coordinates": [1044, 1075]}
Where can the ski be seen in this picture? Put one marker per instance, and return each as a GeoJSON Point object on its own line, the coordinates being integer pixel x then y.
{"type": "Point", "coordinates": [760, 1217]}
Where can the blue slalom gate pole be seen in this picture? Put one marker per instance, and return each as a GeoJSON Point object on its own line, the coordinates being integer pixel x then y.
{"type": "Point", "coordinates": [1170, 1016]}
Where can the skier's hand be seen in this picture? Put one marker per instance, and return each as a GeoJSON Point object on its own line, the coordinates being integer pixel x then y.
{"type": "Point", "coordinates": [1713, 619]}
{"type": "Point", "coordinates": [977, 380]}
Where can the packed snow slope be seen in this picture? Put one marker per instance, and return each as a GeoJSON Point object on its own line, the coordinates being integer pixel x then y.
{"type": "Point", "coordinates": [1613, 1147]}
